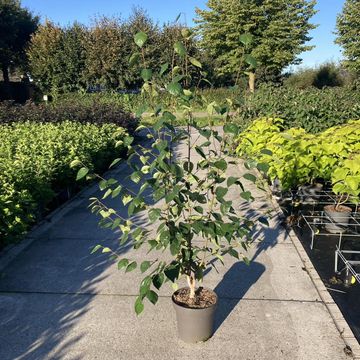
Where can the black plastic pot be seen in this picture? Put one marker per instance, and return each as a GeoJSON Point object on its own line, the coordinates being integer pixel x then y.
{"type": "Point", "coordinates": [195, 324]}
{"type": "Point", "coordinates": [338, 219]}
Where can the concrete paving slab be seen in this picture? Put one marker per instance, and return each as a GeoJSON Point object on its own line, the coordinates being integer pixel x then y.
{"type": "Point", "coordinates": [105, 327]}
{"type": "Point", "coordinates": [66, 266]}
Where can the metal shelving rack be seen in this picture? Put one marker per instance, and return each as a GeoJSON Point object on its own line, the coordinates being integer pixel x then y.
{"type": "Point", "coordinates": [307, 205]}
{"type": "Point", "coordinates": [317, 221]}
{"type": "Point", "coordinates": [349, 265]}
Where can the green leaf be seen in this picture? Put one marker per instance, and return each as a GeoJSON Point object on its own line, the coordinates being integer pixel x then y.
{"type": "Point", "coordinates": [250, 60]}
{"type": "Point", "coordinates": [122, 263]}
{"type": "Point", "coordinates": [106, 250]}
{"type": "Point", "coordinates": [132, 266]}
{"type": "Point", "coordinates": [134, 59]}
{"type": "Point", "coordinates": [95, 249]}
{"type": "Point", "coordinates": [231, 181]}
{"type": "Point", "coordinates": [233, 253]}
{"type": "Point", "coordinates": [221, 164]}
{"type": "Point", "coordinates": [263, 167]}
{"type": "Point", "coordinates": [195, 62]}
{"type": "Point", "coordinates": [250, 177]}
{"type": "Point", "coordinates": [114, 163]}
{"type": "Point", "coordinates": [116, 191]}
{"type": "Point", "coordinates": [174, 88]}
{"type": "Point", "coordinates": [231, 128]}
{"type": "Point", "coordinates": [246, 195]}
{"type": "Point", "coordinates": [144, 266]}
{"type": "Point", "coordinates": [266, 152]}
{"type": "Point", "coordinates": [145, 286]}
{"type": "Point", "coordinates": [152, 296]}
{"type": "Point", "coordinates": [172, 272]}
{"type": "Point", "coordinates": [180, 48]}
{"type": "Point", "coordinates": [199, 209]}
{"type": "Point", "coordinates": [140, 39]}
{"type": "Point", "coordinates": [220, 192]}
{"type": "Point", "coordinates": [154, 214]}
{"type": "Point", "coordinates": [158, 280]}
{"type": "Point", "coordinates": [146, 74]}
{"type": "Point", "coordinates": [139, 306]}
{"type": "Point", "coordinates": [107, 193]}
{"type": "Point", "coordinates": [200, 151]}
{"type": "Point", "coordinates": [75, 163]}
{"type": "Point", "coordinates": [246, 38]}
{"type": "Point", "coordinates": [82, 173]}
{"type": "Point", "coordinates": [163, 68]}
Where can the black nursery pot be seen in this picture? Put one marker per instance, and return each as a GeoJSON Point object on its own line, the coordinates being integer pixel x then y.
{"type": "Point", "coordinates": [195, 324]}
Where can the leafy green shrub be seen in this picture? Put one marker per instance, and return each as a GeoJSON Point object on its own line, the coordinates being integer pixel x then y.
{"type": "Point", "coordinates": [312, 109]}
{"type": "Point", "coordinates": [94, 112]}
{"type": "Point", "coordinates": [346, 180]}
{"type": "Point", "coordinates": [328, 74]}
{"type": "Point", "coordinates": [296, 157]}
{"type": "Point", "coordinates": [34, 166]}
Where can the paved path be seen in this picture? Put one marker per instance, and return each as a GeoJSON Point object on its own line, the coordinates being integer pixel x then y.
{"type": "Point", "coordinates": [59, 302]}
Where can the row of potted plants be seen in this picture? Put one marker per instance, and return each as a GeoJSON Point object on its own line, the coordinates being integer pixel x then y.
{"type": "Point", "coordinates": [296, 158]}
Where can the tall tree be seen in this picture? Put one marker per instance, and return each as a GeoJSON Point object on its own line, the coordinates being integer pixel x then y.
{"type": "Point", "coordinates": [107, 49]}
{"type": "Point", "coordinates": [16, 26]}
{"type": "Point", "coordinates": [348, 34]}
{"type": "Point", "coordinates": [43, 54]}
{"type": "Point", "coordinates": [57, 57]}
{"type": "Point", "coordinates": [279, 30]}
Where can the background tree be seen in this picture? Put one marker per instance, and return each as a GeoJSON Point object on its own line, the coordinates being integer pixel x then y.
{"type": "Point", "coordinates": [16, 26]}
{"type": "Point", "coordinates": [43, 54]}
{"type": "Point", "coordinates": [71, 58]}
{"type": "Point", "coordinates": [348, 34]}
{"type": "Point", "coordinates": [107, 48]}
{"type": "Point", "coordinates": [57, 57]}
{"type": "Point", "coordinates": [279, 30]}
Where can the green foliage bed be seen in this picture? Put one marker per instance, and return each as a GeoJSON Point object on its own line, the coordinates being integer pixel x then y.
{"type": "Point", "coordinates": [74, 109]}
{"type": "Point", "coordinates": [312, 109]}
{"type": "Point", "coordinates": [296, 157]}
{"type": "Point", "coordinates": [34, 166]}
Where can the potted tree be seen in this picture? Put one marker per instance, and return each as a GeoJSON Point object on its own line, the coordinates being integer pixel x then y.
{"type": "Point", "coordinates": [346, 185]}
{"type": "Point", "coordinates": [194, 220]}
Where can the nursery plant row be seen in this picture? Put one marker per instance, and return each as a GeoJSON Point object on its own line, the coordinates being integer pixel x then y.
{"type": "Point", "coordinates": [296, 157]}
{"type": "Point", "coordinates": [35, 167]}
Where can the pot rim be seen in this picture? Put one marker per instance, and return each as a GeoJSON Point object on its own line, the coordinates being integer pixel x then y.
{"type": "Point", "coordinates": [190, 308]}
{"type": "Point", "coordinates": [331, 208]}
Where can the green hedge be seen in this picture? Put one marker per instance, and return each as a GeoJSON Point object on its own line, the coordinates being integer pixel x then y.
{"type": "Point", "coordinates": [314, 110]}
{"type": "Point", "coordinates": [34, 166]}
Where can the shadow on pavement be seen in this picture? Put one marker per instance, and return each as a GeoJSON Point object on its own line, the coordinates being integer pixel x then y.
{"type": "Point", "coordinates": [233, 287]}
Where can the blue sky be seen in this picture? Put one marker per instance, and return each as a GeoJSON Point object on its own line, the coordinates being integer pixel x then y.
{"type": "Point", "coordinates": [67, 11]}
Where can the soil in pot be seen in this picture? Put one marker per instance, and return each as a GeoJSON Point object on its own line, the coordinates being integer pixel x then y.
{"type": "Point", "coordinates": [195, 317]}
{"type": "Point", "coordinates": [339, 215]}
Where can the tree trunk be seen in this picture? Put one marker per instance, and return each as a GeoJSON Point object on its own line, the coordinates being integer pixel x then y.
{"type": "Point", "coordinates": [252, 82]}
{"type": "Point", "coordinates": [5, 71]}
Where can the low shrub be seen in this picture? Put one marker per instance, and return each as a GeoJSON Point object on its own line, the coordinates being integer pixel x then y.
{"type": "Point", "coordinates": [132, 102]}
{"type": "Point", "coordinates": [93, 112]}
{"type": "Point", "coordinates": [35, 166]}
